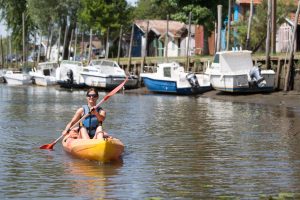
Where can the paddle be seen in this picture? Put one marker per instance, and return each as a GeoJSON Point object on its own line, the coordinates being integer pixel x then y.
{"type": "Point", "coordinates": [114, 91]}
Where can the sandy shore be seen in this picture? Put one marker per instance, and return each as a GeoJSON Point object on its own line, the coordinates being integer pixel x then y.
{"type": "Point", "coordinates": [277, 98]}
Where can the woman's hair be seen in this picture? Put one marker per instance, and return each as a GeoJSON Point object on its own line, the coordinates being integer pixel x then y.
{"type": "Point", "coordinates": [92, 89]}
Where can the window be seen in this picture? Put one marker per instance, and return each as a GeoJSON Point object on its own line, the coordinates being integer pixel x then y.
{"type": "Point", "coordinates": [167, 72]}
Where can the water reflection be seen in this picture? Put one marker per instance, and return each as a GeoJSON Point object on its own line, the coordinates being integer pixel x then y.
{"type": "Point", "coordinates": [176, 147]}
{"type": "Point", "coordinates": [91, 178]}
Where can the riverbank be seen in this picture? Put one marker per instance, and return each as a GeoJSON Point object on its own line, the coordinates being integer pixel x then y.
{"type": "Point", "coordinates": [277, 98]}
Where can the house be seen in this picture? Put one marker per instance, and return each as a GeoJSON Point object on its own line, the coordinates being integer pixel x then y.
{"type": "Point", "coordinates": [157, 32]}
{"type": "Point", "coordinates": [284, 32]}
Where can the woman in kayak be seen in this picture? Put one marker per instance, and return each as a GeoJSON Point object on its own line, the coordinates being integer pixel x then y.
{"type": "Point", "coordinates": [91, 126]}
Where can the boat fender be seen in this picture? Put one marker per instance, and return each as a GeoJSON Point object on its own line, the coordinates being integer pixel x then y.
{"type": "Point", "coordinates": [70, 76]}
{"type": "Point", "coordinates": [192, 79]}
{"type": "Point", "coordinates": [256, 79]}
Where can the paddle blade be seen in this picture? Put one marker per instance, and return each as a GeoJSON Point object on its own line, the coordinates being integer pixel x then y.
{"type": "Point", "coordinates": [47, 146]}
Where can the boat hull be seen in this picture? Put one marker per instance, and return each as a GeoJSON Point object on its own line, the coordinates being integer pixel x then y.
{"type": "Point", "coordinates": [240, 83]}
{"type": "Point", "coordinates": [107, 150]}
{"type": "Point", "coordinates": [165, 86]}
{"type": "Point", "coordinates": [44, 81]}
{"type": "Point", "coordinates": [17, 79]}
{"type": "Point", "coordinates": [108, 82]}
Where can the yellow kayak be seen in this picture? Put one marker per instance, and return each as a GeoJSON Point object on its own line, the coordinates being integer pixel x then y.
{"type": "Point", "coordinates": [101, 150]}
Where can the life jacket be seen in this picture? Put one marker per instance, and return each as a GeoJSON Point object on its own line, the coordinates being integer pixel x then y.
{"type": "Point", "coordinates": [91, 122]}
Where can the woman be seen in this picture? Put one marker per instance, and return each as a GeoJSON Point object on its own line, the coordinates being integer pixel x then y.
{"type": "Point", "coordinates": [91, 126]}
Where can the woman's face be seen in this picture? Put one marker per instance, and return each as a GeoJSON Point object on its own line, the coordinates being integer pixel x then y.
{"type": "Point", "coordinates": [92, 97]}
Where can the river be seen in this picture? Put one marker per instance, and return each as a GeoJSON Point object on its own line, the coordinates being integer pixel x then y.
{"type": "Point", "coordinates": [176, 147]}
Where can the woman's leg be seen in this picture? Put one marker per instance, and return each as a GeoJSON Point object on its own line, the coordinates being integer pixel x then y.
{"type": "Point", "coordinates": [83, 133]}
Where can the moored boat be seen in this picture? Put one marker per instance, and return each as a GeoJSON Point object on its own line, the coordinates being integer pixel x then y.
{"type": "Point", "coordinates": [233, 71]}
{"type": "Point", "coordinates": [107, 150]}
{"type": "Point", "coordinates": [171, 78]}
{"type": "Point", "coordinates": [17, 78]}
{"type": "Point", "coordinates": [107, 74]}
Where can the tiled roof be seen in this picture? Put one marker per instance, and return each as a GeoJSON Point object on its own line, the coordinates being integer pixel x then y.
{"type": "Point", "coordinates": [249, 1]}
{"type": "Point", "coordinates": [176, 29]}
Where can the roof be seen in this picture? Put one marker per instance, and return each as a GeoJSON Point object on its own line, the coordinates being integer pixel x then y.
{"type": "Point", "coordinates": [292, 19]}
{"type": "Point", "coordinates": [248, 1]}
{"type": "Point", "coordinates": [159, 27]}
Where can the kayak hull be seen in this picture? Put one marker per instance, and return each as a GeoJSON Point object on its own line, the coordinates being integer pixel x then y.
{"type": "Point", "coordinates": [107, 150]}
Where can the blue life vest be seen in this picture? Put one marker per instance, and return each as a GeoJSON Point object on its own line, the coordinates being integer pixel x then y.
{"type": "Point", "coordinates": [91, 122]}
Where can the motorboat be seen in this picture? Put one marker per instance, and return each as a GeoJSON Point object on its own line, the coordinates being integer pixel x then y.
{"type": "Point", "coordinates": [107, 74]}
{"type": "Point", "coordinates": [2, 79]}
{"type": "Point", "coordinates": [45, 73]}
{"type": "Point", "coordinates": [233, 71]}
{"type": "Point", "coordinates": [68, 74]}
{"type": "Point", "coordinates": [17, 78]}
{"type": "Point", "coordinates": [171, 78]}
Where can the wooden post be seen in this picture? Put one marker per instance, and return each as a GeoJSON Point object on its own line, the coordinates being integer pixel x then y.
{"type": "Point", "coordinates": [90, 46]}
{"type": "Point", "coordinates": [288, 70]}
{"type": "Point", "coordinates": [188, 43]}
{"type": "Point", "coordinates": [273, 32]}
{"type": "Point", "coordinates": [120, 43]}
{"type": "Point", "coordinates": [268, 34]}
{"type": "Point", "coordinates": [50, 44]}
{"type": "Point", "coordinates": [219, 28]}
{"type": "Point", "coordinates": [107, 44]}
{"type": "Point", "coordinates": [75, 44]}
{"type": "Point", "coordinates": [82, 46]}
{"type": "Point", "coordinates": [278, 72]}
{"type": "Point", "coordinates": [130, 48]}
{"type": "Point", "coordinates": [2, 55]}
{"type": "Point", "coordinates": [249, 25]}
{"type": "Point", "coordinates": [58, 44]}
{"type": "Point", "coordinates": [65, 40]}
{"type": "Point", "coordinates": [24, 48]}
{"type": "Point", "coordinates": [167, 40]}
{"type": "Point", "coordinates": [48, 38]}
{"type": "Point", "coordinates": [40, 46]}
{"type": "Point", "coordinates": [70, 44]}
{"type": "Point", "coordinates": [228, 25]}
{"type": "Point", "coordinates": [145, 47]}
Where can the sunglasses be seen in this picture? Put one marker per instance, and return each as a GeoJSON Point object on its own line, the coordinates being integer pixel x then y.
{"type": "Point", "coordinates": [92, 95]}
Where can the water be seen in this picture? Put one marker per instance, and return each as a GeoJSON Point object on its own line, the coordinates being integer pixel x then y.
{"type": "Point", "coordinates": [177, 147]}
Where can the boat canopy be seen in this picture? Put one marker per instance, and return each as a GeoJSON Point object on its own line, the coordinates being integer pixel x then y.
{"type": "Point", "coordinates": [236, 62]}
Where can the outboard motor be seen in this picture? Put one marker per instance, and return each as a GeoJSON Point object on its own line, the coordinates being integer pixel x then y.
{"type": "Point", "coordinates": [256, 78]}
{"type": "Point", "coordinates": [70, 79]}
{"type": "Point", "coordinates": [192, 79]}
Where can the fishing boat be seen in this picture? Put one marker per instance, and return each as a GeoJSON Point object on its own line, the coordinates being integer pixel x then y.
{"type": "Point", "coordinates": [68, 74]}
{"type": "Point", "coordinates": [171, 78]}
{"type": "Point", "coordinates": [107, 150]}
{"type": "Point", "coordinates": [106, 74]}
{"type": "Point", "coordinates": [233, 71]}
{"type": "Point", "coordinates": [45, 73]}
{"type": "Point", "coordinates": [17, 78]}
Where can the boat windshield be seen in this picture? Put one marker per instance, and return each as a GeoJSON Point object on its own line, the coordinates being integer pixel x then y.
{"type": "Point", "coordinates": [217, 58]}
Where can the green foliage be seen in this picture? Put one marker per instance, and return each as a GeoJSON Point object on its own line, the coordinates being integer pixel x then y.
{"type": "Point", "coordinates": [101, 14]}
{"type": "Point", "coordinates": [11, 13]}
{"type": "Point", "coordinates": [258, 28]}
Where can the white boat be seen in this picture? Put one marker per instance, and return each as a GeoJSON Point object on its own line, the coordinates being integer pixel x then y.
{"type": "Point", "coordinates": [2, 79]}
{"type": "Point", "coordinates": [68, 74]}
{"type": "Point", "coordinates": [17, 78]}
{"type": "Point", "coordinates": [106, 74]}
{"type": "Point", "coordinates": [45, 73]}
{"type": "Point", "coordinates": [233, 71]}
{"type": "Point", "coordinates": [171, 78]}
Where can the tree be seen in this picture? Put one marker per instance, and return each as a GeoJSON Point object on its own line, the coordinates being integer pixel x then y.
{"type": "Point", "coordinates": [11, 12]}
{"type": "Point", "coordinates": [258, 30]}
{"type": "Point", "coordinates": [101, 14]}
